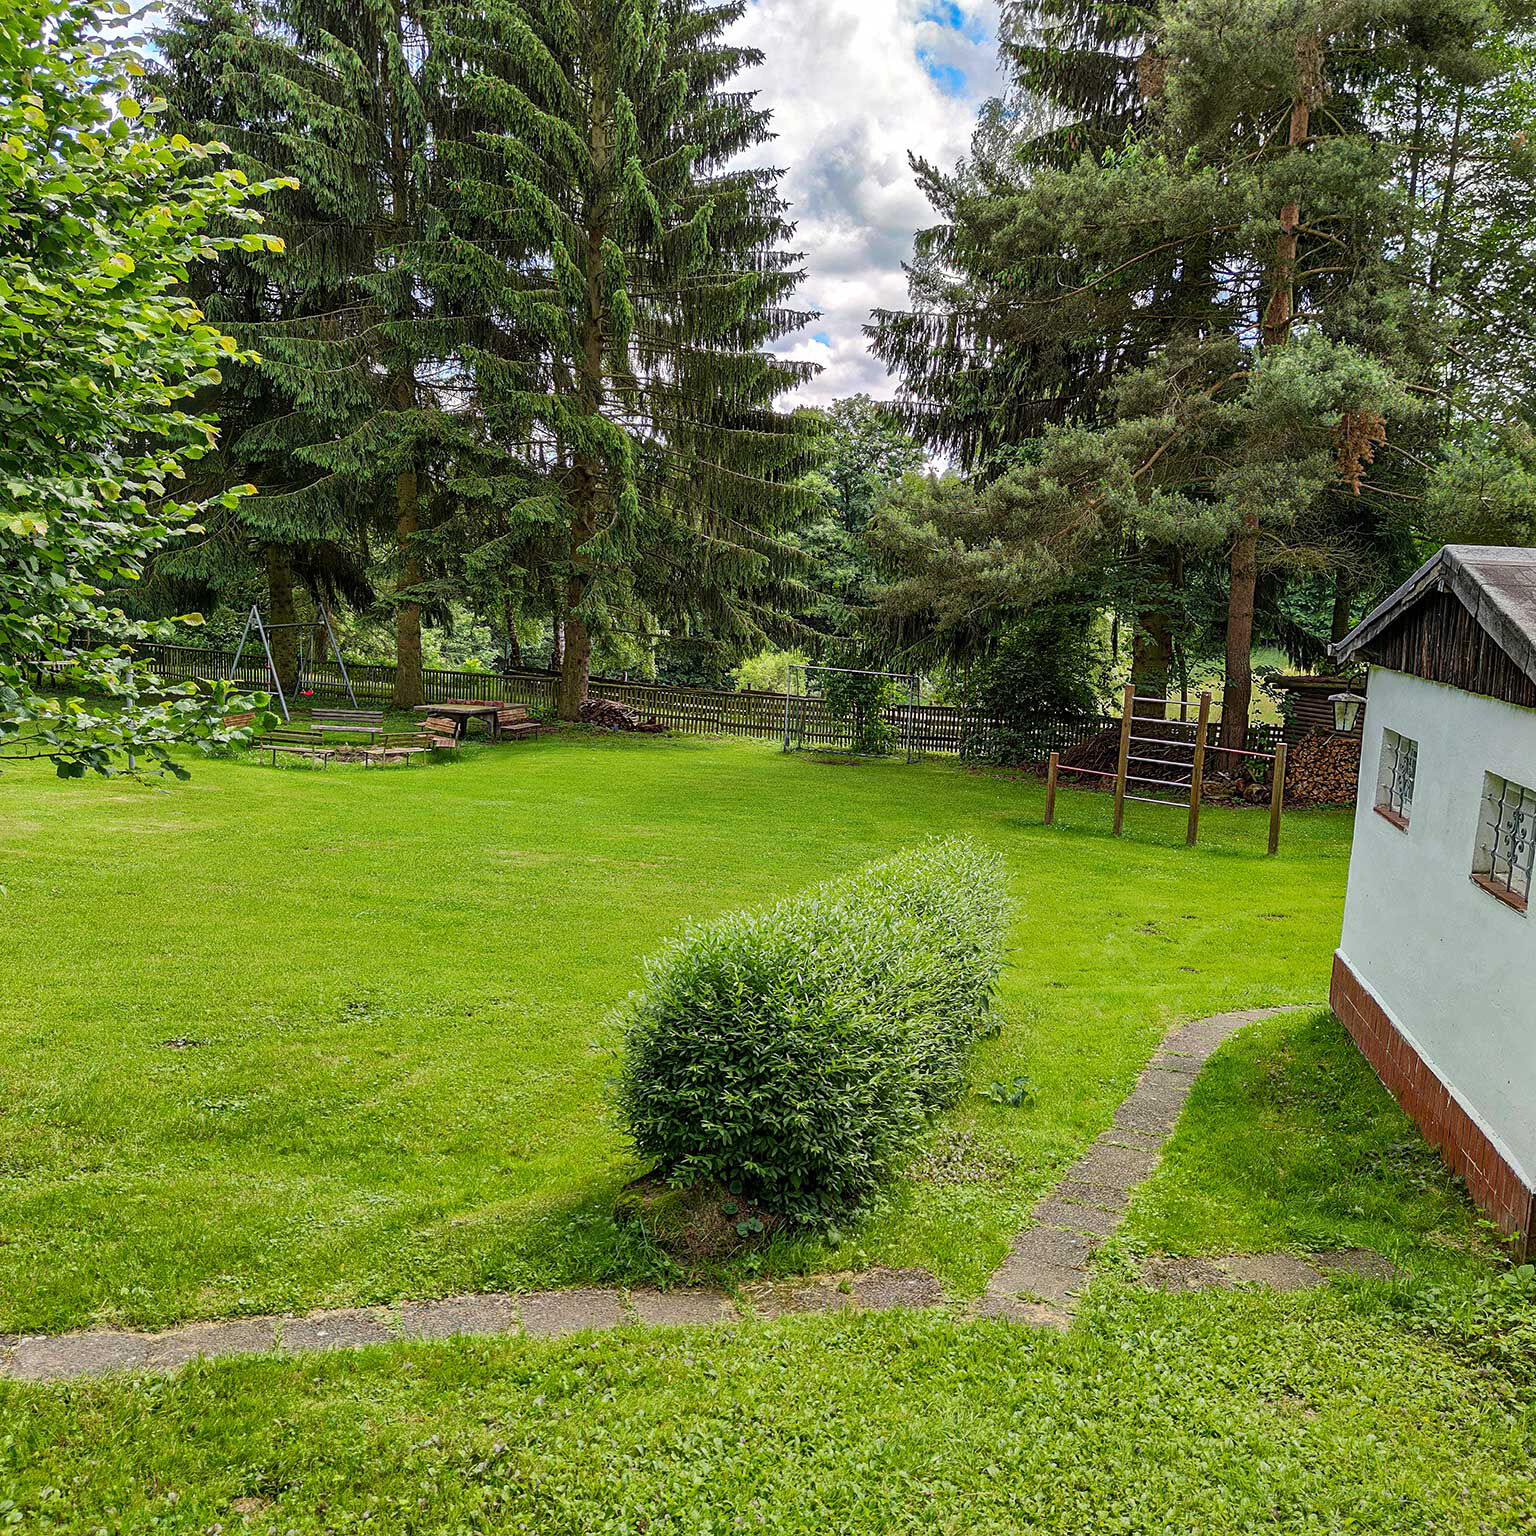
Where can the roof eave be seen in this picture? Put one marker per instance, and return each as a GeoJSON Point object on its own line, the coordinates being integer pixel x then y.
{"type": "Point", "coordinates": [1448, 572]}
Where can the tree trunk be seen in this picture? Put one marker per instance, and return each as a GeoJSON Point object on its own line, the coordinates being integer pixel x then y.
{"type": "Point", "coordinates": [319, 645]}
{"type": "Point", "coordinates": [1275, 327]}
{"type": "Point", "coordinates": [281, 611]}
{"type": "Point", "coordinates": [1343, 605]}
{"type": "Point", "coordinates": [514, 645]}
{"type": "Point", "coordinates": [1239, 685]}
{"type": "Point", "coordinates": [1151, 662]}
{"type": "Point", "coordinates": [402, 398]}
{"type": "Point", "coordinates": [590, 473]}
{"type": "Point", "coordinates": [575, 668]}
{"type": "Point", "coordinates": [408, 685]}
{"type": "Point", "coordinates": [557, 643]}
{"type": "Point", "coordinates": [1275, 331]}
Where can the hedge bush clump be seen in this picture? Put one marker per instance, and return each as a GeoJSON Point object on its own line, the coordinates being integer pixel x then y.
{"type": "Point", "coordinates": [791, 1054]}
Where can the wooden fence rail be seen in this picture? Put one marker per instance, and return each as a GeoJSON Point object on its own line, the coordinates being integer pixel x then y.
{"type": "Point", "coordinates": [692, 711]}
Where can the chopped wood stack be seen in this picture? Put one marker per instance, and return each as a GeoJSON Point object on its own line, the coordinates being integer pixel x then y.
{"type": "Point", "coordinates": [1324, 769]}
{"type": "Point", "coordinates": [1101, 751]}
{"type": "Point", "coordinates": [610, 715]}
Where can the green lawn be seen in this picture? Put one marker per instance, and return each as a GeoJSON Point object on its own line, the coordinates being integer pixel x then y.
{"type": "Point", "coordinates": [1372, 1406]}
{"type": "Point", "coordinates": [1290, 1143]}
{"type": "Point", "coordinates": [401, 982]}
{"type": "Point", "coordinates": [400, 986]}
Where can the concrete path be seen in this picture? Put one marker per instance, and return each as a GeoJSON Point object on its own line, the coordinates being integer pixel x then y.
{"type": "Point", "coordinates": [1048, 1265]}
{"type": "Point", "coordinates": [1038, 1283]}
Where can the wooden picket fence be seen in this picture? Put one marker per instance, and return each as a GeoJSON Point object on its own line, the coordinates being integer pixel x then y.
{"type": "Point", "coordinates": [928, 728]}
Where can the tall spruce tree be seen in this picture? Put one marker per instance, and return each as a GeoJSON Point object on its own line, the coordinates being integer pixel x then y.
{"type": "Point", "coordinates": [638, 282]}
{"type": "Point", "coordinates": [343, 424]}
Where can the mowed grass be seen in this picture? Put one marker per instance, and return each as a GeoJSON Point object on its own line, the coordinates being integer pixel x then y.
{"type": "Point", "coordinates": [400, 985]}
{"type": "Point", "coordinates": [1290, 1143]}
{"type": "Point", "coordinates": [1399, 1407]}
{"type": "Point", "coordinates": [1371, 1406]}
{"type": "Point", "coordinates": [1201, 1415]}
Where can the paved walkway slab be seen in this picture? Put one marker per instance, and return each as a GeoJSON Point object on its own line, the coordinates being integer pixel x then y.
{"type": "Point", "coordinates": [1276, 1271]}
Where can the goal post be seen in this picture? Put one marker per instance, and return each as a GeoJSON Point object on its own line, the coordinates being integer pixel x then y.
{"type": "Point", "coordinates": [854, 709]}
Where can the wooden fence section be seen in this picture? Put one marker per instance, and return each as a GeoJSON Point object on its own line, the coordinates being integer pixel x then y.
{"type": "Point", "coordinates": [691, 711]}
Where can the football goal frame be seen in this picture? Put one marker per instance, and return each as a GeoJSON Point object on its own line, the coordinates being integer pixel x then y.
{"type": "Point", "coordinates": [809, 722]}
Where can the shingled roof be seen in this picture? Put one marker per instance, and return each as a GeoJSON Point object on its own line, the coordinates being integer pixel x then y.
{"type": "Point", "coordinates": [1496, 585]}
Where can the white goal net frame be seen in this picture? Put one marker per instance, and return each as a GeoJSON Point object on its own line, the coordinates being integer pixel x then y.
{"type": "Point", "coordinates": [806, 716]}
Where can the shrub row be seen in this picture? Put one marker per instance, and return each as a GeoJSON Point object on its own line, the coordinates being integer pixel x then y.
{"type": "Point", "coordinates": [791, 1054]}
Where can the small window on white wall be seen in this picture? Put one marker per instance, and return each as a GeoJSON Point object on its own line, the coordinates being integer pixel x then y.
{"type": "Point", "coordinates": [1506, 841]}
{"type": "Point", "coordinates": [1394, 778]}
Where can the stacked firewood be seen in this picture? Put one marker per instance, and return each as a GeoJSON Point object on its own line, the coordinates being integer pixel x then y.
{"type": "Point", "coordinates": [1101, 751]}
{"type": "Point", "coordinates": [610, 715]}
{"type": "Point", "coordinates": [1324, 769]}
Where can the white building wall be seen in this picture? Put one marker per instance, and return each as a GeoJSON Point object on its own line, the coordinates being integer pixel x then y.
{"type": "Point", "coordinates": [1454, 967]}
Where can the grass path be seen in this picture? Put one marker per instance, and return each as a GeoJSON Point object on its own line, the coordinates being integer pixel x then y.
{"type": "Point", "coordinates": [399, 985]}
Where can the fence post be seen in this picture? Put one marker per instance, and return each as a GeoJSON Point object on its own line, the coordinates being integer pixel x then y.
{"type": "Point", "coordinates": [1126, 720]}
{"type": "Point", "coordinates": [1050, 788]}
{"type": "Point", "coordinates": [1277, 799]}
{"type": "Point", "coordinates": [1197, 773]}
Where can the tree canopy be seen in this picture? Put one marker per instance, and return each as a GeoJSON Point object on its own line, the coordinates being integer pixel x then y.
{"type": "Point", "coordinates": [102, 220]}
{"type": "Point", "coordinates": [1186, 310]}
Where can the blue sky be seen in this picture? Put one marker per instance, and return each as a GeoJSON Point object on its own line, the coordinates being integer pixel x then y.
{"type": "Point", "coordinates": [854, 86]}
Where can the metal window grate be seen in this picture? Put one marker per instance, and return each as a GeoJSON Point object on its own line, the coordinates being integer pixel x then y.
{"type": "Point", "coordinates": [1506, 842]}
{"type": "Point", "coordinates": [1395, 779]}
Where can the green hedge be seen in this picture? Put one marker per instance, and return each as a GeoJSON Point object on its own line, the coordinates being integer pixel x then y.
{"type": "Point", "coordinates": [792, 1054]}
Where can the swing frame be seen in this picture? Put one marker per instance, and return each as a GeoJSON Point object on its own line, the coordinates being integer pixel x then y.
{"type": "Point", "coordinates": [264, 631]}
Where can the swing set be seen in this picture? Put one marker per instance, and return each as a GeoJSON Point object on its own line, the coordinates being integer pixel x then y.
{"type": "Point", "coordinates": [264, 633]}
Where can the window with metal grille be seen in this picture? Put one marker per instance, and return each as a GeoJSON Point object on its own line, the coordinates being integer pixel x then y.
{"type": "Point", "coordinates": [1506, 841]}
{"type": "Point", "coordinates": [1394, 779]}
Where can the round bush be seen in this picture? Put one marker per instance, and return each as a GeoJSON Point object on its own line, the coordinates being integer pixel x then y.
{"type": "Point", "coordinates": [791, 1054]}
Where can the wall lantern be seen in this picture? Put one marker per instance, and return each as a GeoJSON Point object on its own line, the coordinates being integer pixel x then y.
{"type": "Point", "coordinates": [1346, 712]}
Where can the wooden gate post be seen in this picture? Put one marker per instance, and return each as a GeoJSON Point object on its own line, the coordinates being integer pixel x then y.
{"type": "Point", "coordinates": [1126, 721]}
{"type": "Point", "coordinates": [1050, 788]}
{"type": "Point", "coordinates": [1197, 771]}
{"type": "Point", "coordinates": [1277, 799]}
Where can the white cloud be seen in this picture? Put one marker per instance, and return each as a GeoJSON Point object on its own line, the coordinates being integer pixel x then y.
{"type": "Point", "coordinates": [853, 86]}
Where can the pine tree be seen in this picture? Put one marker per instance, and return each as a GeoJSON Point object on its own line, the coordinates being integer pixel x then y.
{"type": "Point", "coordinates": [1237, 260]}
{"type": "Point", "coordinates": [270, 542]}
{"type": "Point", "coordinates": [638, 281]}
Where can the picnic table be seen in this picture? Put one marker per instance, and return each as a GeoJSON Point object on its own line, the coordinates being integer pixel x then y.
{"type": "Point", "coordinates": [462, 714]}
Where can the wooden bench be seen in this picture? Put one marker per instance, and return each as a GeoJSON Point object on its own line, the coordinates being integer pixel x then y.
{"type": "Point", "coordinates": [296, 743]}
{"type": "Point", "coordinates": [399, 747]}
{"type": "Point", "coordinates": [444, 732]}
{"type": "Point", "coordinates": [348, 722]}
{"type": "Point", "coordinates": [241, 722]}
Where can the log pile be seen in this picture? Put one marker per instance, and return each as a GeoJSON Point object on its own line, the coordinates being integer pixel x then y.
{"type": "Point", "coordinates": [1323, 767]}
{"type": "Point", "coordinates": [1324, 770]}
{"type": "Point", "coordinates": [610, 715]}
{"type": "Point", "coordinates": [1101, 751]}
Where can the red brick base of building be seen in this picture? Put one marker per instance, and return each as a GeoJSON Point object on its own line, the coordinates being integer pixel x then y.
{"type": "Point", "coordinates": [1492, 1180]}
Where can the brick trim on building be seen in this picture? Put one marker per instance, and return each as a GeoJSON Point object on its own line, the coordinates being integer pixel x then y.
{"type": "Point", "coordinates": [1491, 1178]}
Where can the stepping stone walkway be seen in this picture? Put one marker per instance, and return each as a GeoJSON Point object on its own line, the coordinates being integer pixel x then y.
{"type": "Point", "coordinates": [1046, 1269]}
